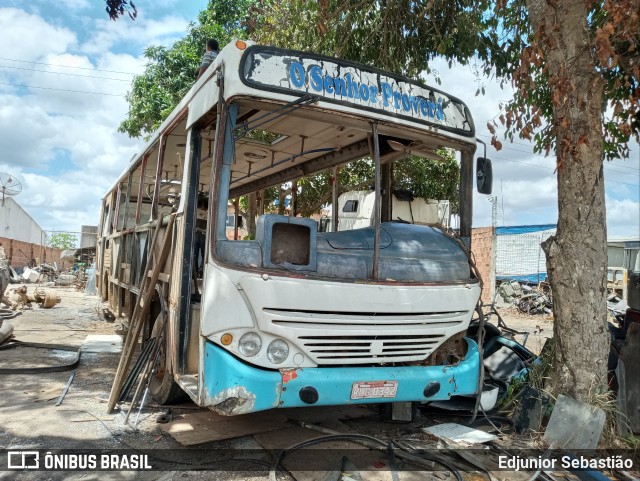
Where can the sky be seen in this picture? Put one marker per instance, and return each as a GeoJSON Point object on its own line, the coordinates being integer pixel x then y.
{"type": "Point", "coordinates": [65, 69]}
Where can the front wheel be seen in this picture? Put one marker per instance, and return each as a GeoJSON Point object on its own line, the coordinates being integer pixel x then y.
{"type": "Point", "coordinates": [162, 387]}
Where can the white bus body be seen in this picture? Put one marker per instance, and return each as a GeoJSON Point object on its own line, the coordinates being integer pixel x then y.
{"type": "Point", "coordinates": [356, 210]}
{"type": "Point", "coordinates": [294, 317]}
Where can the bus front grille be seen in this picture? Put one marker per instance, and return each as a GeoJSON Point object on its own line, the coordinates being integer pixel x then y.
{"type": "Point", "coordinates": [333, 337]}
{"type": "Point", "coordinates": [367, 348]}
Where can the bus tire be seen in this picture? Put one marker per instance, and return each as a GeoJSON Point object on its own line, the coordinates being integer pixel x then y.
{"type": "Point", "coordinates": [162, 387]}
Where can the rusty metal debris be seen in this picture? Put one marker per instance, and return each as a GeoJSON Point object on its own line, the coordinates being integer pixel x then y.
{"type": "Point", "coordinates": [65, 389]}
{"type": "Point", "coordinates": [527, 299]}
{"type": "Point", "coordinates": [17, 298]}
{"type": "Point", "coordinates": [46, 298]}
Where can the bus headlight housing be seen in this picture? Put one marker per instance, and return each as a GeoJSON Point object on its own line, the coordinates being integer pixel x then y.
{"type": "Point", "coordinates": [278, 351]}
{"type": "Point", "coordinates": [250, 344]}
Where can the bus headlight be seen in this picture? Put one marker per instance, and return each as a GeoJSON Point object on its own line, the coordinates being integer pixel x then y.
{"type": "Point", "coordinates": [277, 351]}
{"type": "Point", "coordinates": [250, 344]}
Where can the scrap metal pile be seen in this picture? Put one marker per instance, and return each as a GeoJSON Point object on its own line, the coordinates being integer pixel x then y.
{"type": "Point", "coordinates": [527, 299]}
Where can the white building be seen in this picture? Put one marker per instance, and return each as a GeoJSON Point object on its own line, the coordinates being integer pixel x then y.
{"type": "Point", "coordinates": [17, 224]}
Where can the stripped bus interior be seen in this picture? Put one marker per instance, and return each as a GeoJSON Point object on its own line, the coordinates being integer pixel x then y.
{"type": "Point", "coordinates": [268, 143]}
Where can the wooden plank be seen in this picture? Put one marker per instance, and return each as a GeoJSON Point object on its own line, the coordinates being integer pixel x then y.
{"type": "Point", "coordinates": [163, 276]}
{"type": "Point", "coordinates": [206, 426]}
{"type": "Point", "coordinates": [140, 310]}
{"type": "Point", "coordinates": [147, 290]}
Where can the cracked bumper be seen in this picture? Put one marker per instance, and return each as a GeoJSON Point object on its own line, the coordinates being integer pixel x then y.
{"type": "Point", "coordinates": [232, 387]}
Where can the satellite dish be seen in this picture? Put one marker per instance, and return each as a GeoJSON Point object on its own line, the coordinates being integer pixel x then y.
{"type": "Point", "coordinates": [9, 185]}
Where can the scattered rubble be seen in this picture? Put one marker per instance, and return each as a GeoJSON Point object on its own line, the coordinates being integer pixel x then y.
{"type": "Point", "coordinates": [438, 445]}
{"type": "Point", "coordinates": [527, 299]}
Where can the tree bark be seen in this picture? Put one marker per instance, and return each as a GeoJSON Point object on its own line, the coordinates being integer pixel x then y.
{"type": "Point", "coordinates": [577, 254]}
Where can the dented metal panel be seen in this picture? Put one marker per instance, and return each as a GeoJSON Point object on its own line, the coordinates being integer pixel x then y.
{"type": "Point", "coordinates": [232, 387]}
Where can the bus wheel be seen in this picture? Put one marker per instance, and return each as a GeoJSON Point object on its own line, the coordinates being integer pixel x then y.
{"type": "Point", "coordinates": [163, 389]}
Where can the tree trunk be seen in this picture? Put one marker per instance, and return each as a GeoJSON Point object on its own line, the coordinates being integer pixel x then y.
{"type": "Point", "coordinates": [577, 254]}
{"type": "Point", "coordinates": [282, 194]}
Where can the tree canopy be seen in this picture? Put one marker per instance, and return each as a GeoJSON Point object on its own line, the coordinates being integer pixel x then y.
{"type": "Point", "coordinates": [62, 240]}
{"type": "Point", "coordinates": [118, 8]}
{"type": "Point", "coordinates": [170, 73]}
{"type": "Point", "coordinates": [405, 36]}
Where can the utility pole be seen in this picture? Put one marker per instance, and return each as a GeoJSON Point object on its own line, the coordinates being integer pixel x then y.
{"type": "Point", "coordinates": [494, 243]}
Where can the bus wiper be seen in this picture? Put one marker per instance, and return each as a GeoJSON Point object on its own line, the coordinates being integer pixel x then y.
{"type": "Point", "coordinates": [269, 116]}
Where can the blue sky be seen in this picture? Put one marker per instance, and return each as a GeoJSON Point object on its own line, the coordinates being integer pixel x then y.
{"type": "Point", "coordinates": [64, 71]}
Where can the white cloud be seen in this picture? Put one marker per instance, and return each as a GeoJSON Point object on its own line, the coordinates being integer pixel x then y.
{"type": "Point", "coordinates": [139, 34]}
{"type": "Point", "coordinates": [77, 4]}
{"type": "Point", "coordinates": [524, 183]}
{"type": "Point", "coordinates": [63, 144]}
{"type": "Point", "coordinates": [622, 218]}
{"type": "Point", "coordinates": [27, 139]}
{"type": "Point", "coordinates": [28, 37]}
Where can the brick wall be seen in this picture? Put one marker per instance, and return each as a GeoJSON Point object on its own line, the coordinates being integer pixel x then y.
{"type": "Point", "coordinates": [19, 253]}
{"type": "Point", "coordinates": [482, 249]}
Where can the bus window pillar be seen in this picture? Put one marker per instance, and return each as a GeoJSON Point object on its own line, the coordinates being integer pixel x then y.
{"type": "Point", "coordinates": [374, 146]}
{"type": "Point", "coordinates": [335, 185]}
{"type": "Point", "coordinates": [466, 195]}
{"type": "Point", "coordinates": [225, 171]}
{"type": "Point", "coordinates": [188, 205]}
{"type": "Point", "coordinates": [386, 191]}
{"type": "Point", "coordinates": [158, 178]}
{"type": "Point", "coordinates": [294, 198]}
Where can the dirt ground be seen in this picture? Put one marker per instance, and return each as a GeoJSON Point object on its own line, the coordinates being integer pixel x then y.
{"type": "Point", "coordinates": [29, 418]}
{"type": "Point", "coordinates": [538, 326]}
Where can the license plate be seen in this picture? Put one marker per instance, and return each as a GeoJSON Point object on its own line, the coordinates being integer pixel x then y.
{"type": "Point", "coordinates": [374, 389]}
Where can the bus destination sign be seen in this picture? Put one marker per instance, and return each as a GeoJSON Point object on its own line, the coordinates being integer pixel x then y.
{"type": "Point", "coordinates": [349, 83]}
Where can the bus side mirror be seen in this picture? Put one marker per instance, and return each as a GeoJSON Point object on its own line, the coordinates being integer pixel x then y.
{"type": "Point", "coordinates": [484, 175]}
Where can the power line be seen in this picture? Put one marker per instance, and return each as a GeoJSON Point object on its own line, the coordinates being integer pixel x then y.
{"type": "Point", "coordinates": [548, 168]}
{"type": "Point", "coordinates": [65, 73]}
{"type": "Point", "coordinates": [540, 155]}
{"type": "Point", "coordinates": [62, 90]}
{"type": "Point", "coordinates": [66, 66]}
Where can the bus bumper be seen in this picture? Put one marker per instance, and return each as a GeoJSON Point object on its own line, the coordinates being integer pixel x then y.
{"type": "Point", "coordinates": [232, 387]}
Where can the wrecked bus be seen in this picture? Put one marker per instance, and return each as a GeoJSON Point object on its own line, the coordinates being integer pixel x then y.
{"type": "Point", "coordinates": [294, 317]}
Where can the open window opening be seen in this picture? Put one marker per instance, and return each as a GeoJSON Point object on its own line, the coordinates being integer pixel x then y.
{"type": "Point", "coordinates": [286, 176]}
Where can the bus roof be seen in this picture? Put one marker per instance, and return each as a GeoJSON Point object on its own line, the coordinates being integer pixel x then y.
{"type": "Point", "coordinates": [264, 76]}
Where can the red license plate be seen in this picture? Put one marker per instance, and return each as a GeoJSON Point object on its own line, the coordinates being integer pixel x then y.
{"type": "Point", "coordinates": [374, 389]}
